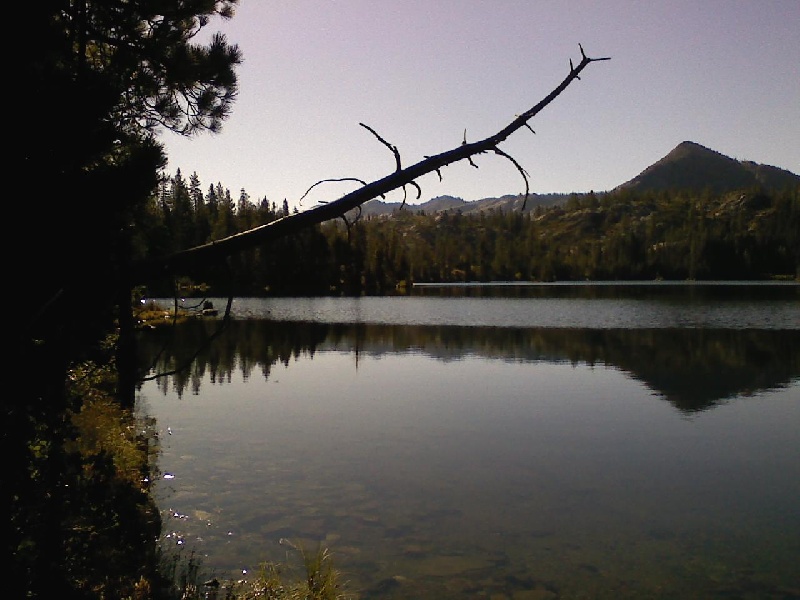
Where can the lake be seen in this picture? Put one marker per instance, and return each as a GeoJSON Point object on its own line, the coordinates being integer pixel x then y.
{"type": "Point", "coordinates": [520, 442]}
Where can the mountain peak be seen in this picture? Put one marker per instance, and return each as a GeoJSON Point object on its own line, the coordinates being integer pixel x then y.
{"type": "Point", "coordinates": [688, 144]}
{"type": "Point", "coordinates": [693, 167]}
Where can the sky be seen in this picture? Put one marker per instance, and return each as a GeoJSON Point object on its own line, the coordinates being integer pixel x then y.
{"type": "Point", "coordinates": [426, 73]}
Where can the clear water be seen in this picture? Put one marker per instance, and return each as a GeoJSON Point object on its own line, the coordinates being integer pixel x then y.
{"type": "Point", "coordinates": [525, 447]}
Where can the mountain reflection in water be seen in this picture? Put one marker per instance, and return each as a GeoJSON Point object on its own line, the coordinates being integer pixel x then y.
{"type": "Point", "coordinates": [693, 369]}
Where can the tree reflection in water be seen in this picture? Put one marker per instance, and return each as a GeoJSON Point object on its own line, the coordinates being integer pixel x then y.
{"type": "Point", "coordinates": [693, 369]}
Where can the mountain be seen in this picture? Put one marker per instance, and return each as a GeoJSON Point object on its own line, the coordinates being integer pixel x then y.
{"type": "Point", "coordinates": [379, 207]}
{"type": "Point", "coordinates": [688, 167]}
{"type": "Point", "coordinates": [451, 203]}
{"type": "Point", "coordinates": [695, 168]}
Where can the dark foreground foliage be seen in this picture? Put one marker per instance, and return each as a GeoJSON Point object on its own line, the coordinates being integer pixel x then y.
{"type": "Point", "coordinates": [88, 526]}
{"type": "Point", "coordinates": [96, 80]}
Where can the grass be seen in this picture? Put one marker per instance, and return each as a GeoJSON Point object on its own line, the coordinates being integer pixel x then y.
{"type": "Point", "coordinates": [315, 578]}
{"type": "Point", "coordinates": [151, 314]}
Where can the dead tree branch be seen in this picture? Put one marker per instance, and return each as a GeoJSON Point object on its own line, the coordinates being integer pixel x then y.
{"type": "Point", "coordinates": [392, 147]}
{"type": "Point", "coordinates": [361, 181]}
{"type": "Point", "coordinates": [297, 222]}
{"type": "Point", "coordinates": [522, 172]}
{"type": "Point", "coordinates": [398, 164]}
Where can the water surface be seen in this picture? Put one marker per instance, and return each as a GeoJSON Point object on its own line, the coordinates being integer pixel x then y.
{"type": "Point", "coordinates": [453, 447]}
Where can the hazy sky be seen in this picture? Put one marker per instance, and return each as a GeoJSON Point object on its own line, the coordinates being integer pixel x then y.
{"type": "Point", "coordinates": [722, 73]}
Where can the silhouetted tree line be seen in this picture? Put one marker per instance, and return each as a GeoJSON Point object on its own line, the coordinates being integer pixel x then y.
{"type": "Point", "coordinates": [622, 235]}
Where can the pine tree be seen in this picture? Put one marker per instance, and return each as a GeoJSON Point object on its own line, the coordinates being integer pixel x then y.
{"type": "Point", "coordinates": [96, 81]}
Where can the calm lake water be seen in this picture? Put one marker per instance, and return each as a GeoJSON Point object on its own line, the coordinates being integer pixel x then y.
{"type": "Point", "coordinates": [592, 441]}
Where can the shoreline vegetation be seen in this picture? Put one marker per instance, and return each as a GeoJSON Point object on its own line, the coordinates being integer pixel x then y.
{"type": "Point", "coordinates": [312, 576]}
{"type": "Point", "coordinates": [150, 314]}
{"type": "Point", "coordinates": [114, 452]}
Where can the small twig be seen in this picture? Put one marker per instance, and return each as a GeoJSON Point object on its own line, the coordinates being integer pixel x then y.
{"type": "Point", "coordinates": [361, 181]}
{"type": "Point", "coordinates": [347, 226]}
{"type": "Point", "coordinates": [522, 172]}
{"type": "Point", "coordinates": [438, 171]}
{"type": "Point", "coordinates": [387, 144]}
{"type": "Point", "coordinates": [405, 193]}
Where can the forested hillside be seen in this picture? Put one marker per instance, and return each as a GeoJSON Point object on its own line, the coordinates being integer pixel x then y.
{"type": "Point", "coordinates": [749, 234]}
